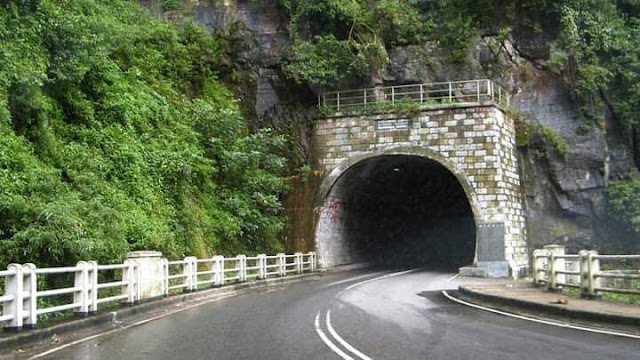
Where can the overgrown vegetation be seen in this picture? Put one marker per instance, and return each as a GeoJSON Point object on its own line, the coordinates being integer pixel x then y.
{"type": "Point", "coordinates": [624, 198]}
{"type": "Point", "coordinates": [337, 41]}
{"type": "Point", "coordinates": [115, 135]}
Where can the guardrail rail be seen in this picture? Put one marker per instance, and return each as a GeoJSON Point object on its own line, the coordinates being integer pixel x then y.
{"type": "Point", "coordinates": [585, 271]}
{"type": "Point", "coordinates": [425, 95]}
{"type": "Point", "coordinates": [82, 288]}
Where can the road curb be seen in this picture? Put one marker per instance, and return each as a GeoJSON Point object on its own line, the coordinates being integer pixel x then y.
{"type": "Point", "coordinates": [498, 302]}
{"type": "Point", "coordinates": [10, 342]}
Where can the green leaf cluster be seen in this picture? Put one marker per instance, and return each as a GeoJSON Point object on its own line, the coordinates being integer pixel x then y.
{"type": "Point", "coordinates": [115, 135]}
{"type": "Point", "coordinates": [347, 40]}
{"type": "Point", "coordinates": [624, 198]}
{"type": "Point", "coordinates": [598, 52]}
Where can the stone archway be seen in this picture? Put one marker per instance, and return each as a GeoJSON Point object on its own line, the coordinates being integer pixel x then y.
{"type": "Point", "coordinates": [398, 206]}
{"type": "Point", "coordinates": [474, 143]}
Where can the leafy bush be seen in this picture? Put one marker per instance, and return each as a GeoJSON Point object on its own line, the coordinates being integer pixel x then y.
{"type": "Point", "coordinates": [115, 135]}
{"type": "Point", "coordinates": [347, 40]}
{"type": "Point", "coordinates": [624, 198]}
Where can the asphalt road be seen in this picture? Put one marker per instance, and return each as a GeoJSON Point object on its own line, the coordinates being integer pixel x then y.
{"type": "Point", "coordinates": [348, 316]}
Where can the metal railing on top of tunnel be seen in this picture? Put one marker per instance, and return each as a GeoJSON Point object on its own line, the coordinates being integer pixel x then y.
{"type": "Point", "coordinates": [425, 95]}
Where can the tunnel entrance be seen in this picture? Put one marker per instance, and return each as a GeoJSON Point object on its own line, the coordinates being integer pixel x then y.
{"type": "Point", "coordinates": [397, 211]}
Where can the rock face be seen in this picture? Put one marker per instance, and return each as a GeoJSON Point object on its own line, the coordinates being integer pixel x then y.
{"type": "Point", "coordinates": [565, 197]}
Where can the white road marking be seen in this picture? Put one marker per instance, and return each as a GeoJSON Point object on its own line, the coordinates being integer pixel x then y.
{"type": "Point", "coordinates": [349, 280]}
{"type": "Point", "coordinates": [339, 338]}
{"type": "Point", "coordinates": [142, 322]}
{"type": "Point", "coordinates": [546, 322]}
{"type": "Point", "coordinates": [328, 342]}
{"type": "Point", "coordinates": [376, 279]}
{"type": "Point", "coordinates": [335, 334]}
{"type": "Point", "coordinates": [453, 277]}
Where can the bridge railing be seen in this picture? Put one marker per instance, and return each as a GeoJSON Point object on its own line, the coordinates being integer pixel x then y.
{"type": "Point", "coordinates": [425, 95]}
{"type": "Point", "coordinates": [88, 286]}
{"type": "Point", "coordinates": [588, 271]}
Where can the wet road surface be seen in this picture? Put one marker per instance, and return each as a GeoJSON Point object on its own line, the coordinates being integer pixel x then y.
{"type": "Point", "coordinates": [350, 316]}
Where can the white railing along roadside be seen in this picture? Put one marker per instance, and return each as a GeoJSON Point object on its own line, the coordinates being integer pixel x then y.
{"type": "Point", "coordinates": [20, 307]}
{"type": "Point", "coordinates": [555, 270]}
{"type": "Point", "coordinates": [467, 91]}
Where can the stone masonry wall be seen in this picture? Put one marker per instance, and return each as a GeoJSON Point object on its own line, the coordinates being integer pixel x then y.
{"type": "Point", "coordinates": [478, 143]}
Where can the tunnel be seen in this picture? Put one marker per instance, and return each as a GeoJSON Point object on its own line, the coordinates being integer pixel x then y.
{"type": "Point", "coordinates": [398, 211]}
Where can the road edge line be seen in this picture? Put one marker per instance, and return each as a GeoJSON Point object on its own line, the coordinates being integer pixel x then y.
{"type": "Point", "coordinates": [540, 321]}
{"type": "Point", "coordinates": [342, 341]}
{"type": "Point", "coordinates": [328, 342]}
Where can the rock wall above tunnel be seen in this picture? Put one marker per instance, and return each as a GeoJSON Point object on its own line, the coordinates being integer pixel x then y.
{"type": "Point", "coordinates": [475, 143]}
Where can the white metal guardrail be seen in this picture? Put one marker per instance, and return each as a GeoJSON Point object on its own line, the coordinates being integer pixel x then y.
{"type": "Point", "coordinates": [428, 94]}
{"type": "Point", "coordinates": [555, 270]}
{"type": "Point", "coordinates": [22, 301]}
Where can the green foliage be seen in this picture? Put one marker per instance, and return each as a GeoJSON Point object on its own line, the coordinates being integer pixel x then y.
{"type": "Point", "coordinates": [539, 138]}
{"type": "Point", "coordinates": [598, 51]}
{"type": "Point", "coordinates": [115, 135]}
{"type": "Point", "coordinates": [624, 199]}
{"type": "Point", "coordinates": [171, 4]}
{"type": "Point", "coordinates": [340, 41]}
{"type": "Point", "coordinates": [556, 142]}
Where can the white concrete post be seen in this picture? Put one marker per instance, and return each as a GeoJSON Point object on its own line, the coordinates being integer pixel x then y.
{"type": "Point", "coordinates": [218, 268]}
{"type": "Point", "coordinates": [82, 284]}
{"type": "Point", "coordinates": [191, 271]}
{"type": "Point", "coordinates": [149, 274]}
{"type": "Point", "coordinates": [242, 265]}
{"type": "Point", "coordinates": [282, 264]}
{"type": "Point", "coordinates": [93, 286]}
{"type": "Point", "coordinates": [593, 282]}
{"type": "Point", "coordinates": [312, 259]}
{"type": "Point", "coordinates": [555, 264]}
{"type": "Point", "coordinates": [262, 263]}
{"type": "Point", "coordinates": [14, 286]}
{"type": "Point", "coordinates": [165, 277]}
{"type": "Point", "coordinates": [30, 288]}
{"type": "Point", "coordinates": [129, 276]}
{"type": "Point", "coordinates": [298, 262]}
{"type": "Point", "coordinates": [584, 274]}
{"type": "Point", "coordinates": [539, 271]}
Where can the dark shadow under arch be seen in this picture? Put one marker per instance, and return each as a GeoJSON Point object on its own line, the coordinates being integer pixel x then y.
{"type": "Point", "coordinates": [397, 210]}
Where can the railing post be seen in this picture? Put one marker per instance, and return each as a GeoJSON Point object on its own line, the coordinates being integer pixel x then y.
{"type": "Point", "coordinates": [190, 273]}
{"type": "Point", "coordinates": [14, 307]}
{"type": "Point", "coordinates": [555, 264]}
{"type": "Point", "coordinates": [30, 288]}
{"type": "Point", "coordinates": [299, 260]}
{"type": "Point", "coordinates": [393, 95]}
{"type": "Point", "coordinates": [593, 282]}
{"type": "Point", "coordinates": [538, 267]}
{"type": "Point", "coordinates": [242, 267]}
{"type": "Point", "coordinates": [282, 264]}
{"type": "Point", "coordinates": [218, 274]}
{"type": "Point", "coordinates": [92, 267]}
{"type": "Point", "coordinates": [365, 97]}
{"type": "Point", "coordinates": [129, 276]}
{"type": "Point", "coordinates": [478, 90]}
{"type": "Point", "coordinates": [490, 90]}
{"type": "Point", "coordinates": [586, 288]}
{"type": "Point", "coordinates": [338, 101]}
{"type": "Point", "coordinates": [194, 273]}
{"type": "Point", "coordinates": [450, 92]}
{"type": "Point", "coordinates": [165, 276]}
{"type": "Point", "coordinates": [421, 93]}
{"type": "Point", "coordinates": [262, 264]}
{"type": "Point", "coordinates": [312, 259]}
{"type": "Point", "coordinates": [81, 283]}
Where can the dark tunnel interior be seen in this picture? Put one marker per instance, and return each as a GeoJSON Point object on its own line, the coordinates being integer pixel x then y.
{"type": "Point", "coordinates": [402, 210]}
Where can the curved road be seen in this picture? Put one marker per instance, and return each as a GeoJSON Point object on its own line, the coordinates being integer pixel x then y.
{"type": "Point", "coordinates": [350, 316]}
